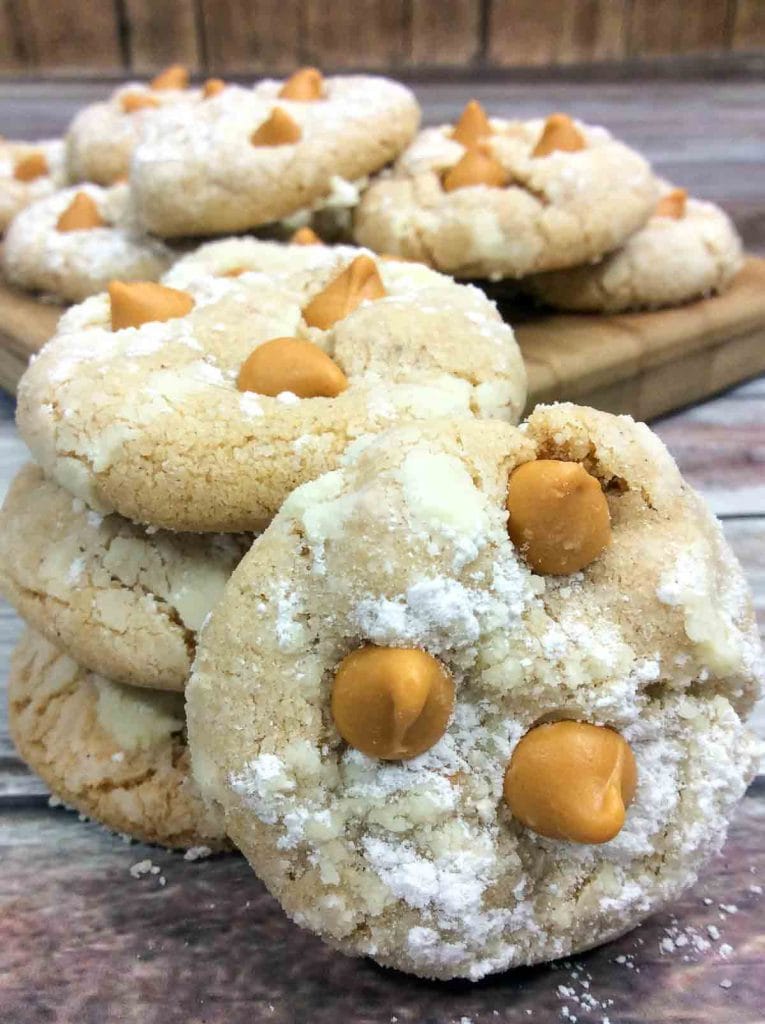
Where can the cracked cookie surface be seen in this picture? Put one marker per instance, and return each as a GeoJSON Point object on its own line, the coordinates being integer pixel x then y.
{"type": "Point", "coordinates": [71, 265]}
{"type": "Point", "coordinates": [556, 211]}
{"type": "Point", "coordinates": [419, 863]}
{"type": "Point", "coordinates": [149, 421]}
{"type": "Point", "coordinates": [196, 170]}
{"type": "Point", "coordinates": [667, 262]}
{"type": "Point", "coordinates": [122, 601]}
{"type": "Point", "coordinates": [115, 753]}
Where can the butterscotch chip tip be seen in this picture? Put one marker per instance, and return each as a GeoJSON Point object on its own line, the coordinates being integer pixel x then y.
{"type": "Point", "coordinates": [279, 129]}
{"type": "Point", "coordinates": [673, 204]}
{"type": "Point", "coordinates": [473, 125]}
{"type": "Point", "coordinates": [359, 282]}
{"type": "Point", "coordinates": [174, 77]}
{"type": "Point", "coordinates": [212, 87]}
{"type": "Point", "coordinates": [306, 84]}
{"type": "Point", "coordinates": [291, 364]}
{"type": "Point", "coordinates": [476, 167]}
{"type": "Point", "coordinates": [30, 167]}
{"type": "Point", "coordinates": [81, 214]}
{"type": "Point", "coordinates": [139, 302]}
{"type": "Point", "coordinates": [132, 102]}
{"type": "Point", "coordinates": [559, 134]}
{"type": "Point", "coordinates": [305, 236]}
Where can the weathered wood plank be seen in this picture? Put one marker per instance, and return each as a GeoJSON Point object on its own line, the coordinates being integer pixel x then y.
{"type": "Point", "coordinates": [162, 33]}
{"type": "Point", "coordinates": [365, 34]}
{"type": "Point", "coordinates": [443, 32]}
{"type": "Point", "coordinates": [83, 36]}
{"type": "Point", "coordinates": [749, 26]}
{"type": "Point", "coordinates": [242, 37]}
{"type": "Point", "coordinates": [540, 32]}
{"type": "Point", "coordinates": [659, 27]}
{"type": "Point", "coordinates": [13, 57]}
{"type": "Point", "coordinates": [210, 945]}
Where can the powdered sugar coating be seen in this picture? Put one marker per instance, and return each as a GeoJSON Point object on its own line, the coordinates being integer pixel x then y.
{"type": "Point", "coordinates": [71, 265]}
{"type": "Point", "coordinates": [420, 864]}
{"type": "Point", "coordinates": [556, 211]}
{"type": "Point", "coordinates": [149, 421]}
{"type": "Point", "coordinates": [15, 194]}
{"type": "Point", "coordinates": [196, 172]}
{"type": "Point", "coordinates": [665, 263]}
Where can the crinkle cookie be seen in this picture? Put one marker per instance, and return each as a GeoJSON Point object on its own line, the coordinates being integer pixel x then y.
{"type": "Point", "coordinates": [28, 171]}
{"type": "Point", "coordinates": [207, 421]}
{"type": "Point", "coordinates": [102, 136]}
{"type": "Point", "coordinates": [115, 753]}
{"type": "Point", "coordinates": [455, 753]}
{"type": "Point", "coordinates": [72, 243]}
{"type": "Point", "coordinates": [248, 157]}
{"type": "Point", "coordinates": [519, 197]}
{"type": "Point", "coordinates": [121, 600]}
{"type": "Point", "coordinates": [688, 249]}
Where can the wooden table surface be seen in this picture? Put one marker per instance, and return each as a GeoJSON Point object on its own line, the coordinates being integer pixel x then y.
{"type": "Point", "coordinates": [83, 940]}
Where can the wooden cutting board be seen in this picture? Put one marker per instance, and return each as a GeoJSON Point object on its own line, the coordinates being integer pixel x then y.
{"type": "Point", "coordinates": [643, 363]}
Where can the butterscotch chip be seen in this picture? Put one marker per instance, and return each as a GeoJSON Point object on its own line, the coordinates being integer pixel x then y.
{"type": "Point", "coordinates": [559, 133]}
{"type": "Point", "coordinates": [359, 282]}
{"type": "Point", "coordinates": [294, 365]}
{"type": "Point", "coordinates": [305, 84]}
{"type": "Point", "coordinates": [476, 168]}
{"type": "Point", "coordinates": [140, 302]}
{"type": "Point", "coordinates": [390, 702]}
{"type": "Point", "coordinates": [279, 129]}
{"type": "Point", "coordinates": [473, 125]}
{"type": "Point", "coordinates": [81, 215]}
{"type": "Point", "coordinates": [305, 236]}
{"type": "Point", "coordinates": [571, 780]}
{"type": "Point", "coordinates": [30, 167]}
{"type": "Point", "coordinates": [673, 204]}
{"type": "Point", "coordinates": [134, 101]}
{"type": "Point", "coordinates": [213, 87]}
{"type": "Point", "coordinates": [174, 77]}
{"type": "Point", "coordinates": [559, 515]}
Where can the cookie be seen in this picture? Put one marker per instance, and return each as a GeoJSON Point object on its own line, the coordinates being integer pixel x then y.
{"type": "Point", "coordinates": [28, 171]}
{"type": "Point", "coordinates": [196, 422]}
{"type": "Point", "coordinates": [72, 243]}
{"type": "Point", "coordinates": [505, 204]}
{"type": "Point", "coordinates": [687, 250]}
{"type": "Point", "coordinates": [102, 136]}
{"type": "Point", "coordinates": [115, 753]}
{"type": "Point", "coordinates": [121, 600]}
{"type": "Point", "coordinates": [386, 699]}
{"type": "Point", "coordinates": [249, 157]}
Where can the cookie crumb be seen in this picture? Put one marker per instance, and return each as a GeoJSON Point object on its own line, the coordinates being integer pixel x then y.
{"type": "Point", "coordinates": [197, 853]}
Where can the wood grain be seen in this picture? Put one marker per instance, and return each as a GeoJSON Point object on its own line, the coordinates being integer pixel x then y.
{"type": "Point", "coordinates": [541, 32]}
{"type": "Point", "coordinates": [81, 35]}
{"type": "Point", "coordinates": [84, 941]}
{"type": "Point", "coordinates": [749, 26]}
{"type": "Point", "coordinates": [444, 32]}
{"type": "Point", "coordinates": [660, 27]}
{"type": "Point", "coordinates": [162, 33]}
{"type": "Point", "coordinates": [245, 37]}
{"type": "Point", "coordinates": [364, 34]}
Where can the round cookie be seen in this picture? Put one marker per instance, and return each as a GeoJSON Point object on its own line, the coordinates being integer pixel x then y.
{"type": "Point", "coordinates": [684, 252]}
{"type": "Point", "coordinates": [123, 601]}
{"type": "Point", "coordinates": [102, 136]}
{"type": "Point", "coordinates": [150, 421]}
{"type": "Point", "coordinates": [418, 862]}
{"type": "Point", "coordinates": [42, 253]}
{"type": "Point", "coordinates": [115, 753]}
{"type": "Point", "coordinates": [538, 212]}
{"type": "Point", "coordinates": [219, 167]}
{"type": "Point", "coordinates": [28, 171]}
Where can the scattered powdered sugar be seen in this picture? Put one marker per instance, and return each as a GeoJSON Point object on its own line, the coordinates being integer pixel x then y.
{"type": "Point", "coordinates": [76, 569]}
{"type": "Point", "coordinates": [249, 403]}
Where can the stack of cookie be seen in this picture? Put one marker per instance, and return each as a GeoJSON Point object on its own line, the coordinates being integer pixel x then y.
{"type": "Point", "coordinates": [467, 695]}
{"type": "Point", "coordinates": [169, 422]}
{"type": "Point", "coordinates": [576, 216]}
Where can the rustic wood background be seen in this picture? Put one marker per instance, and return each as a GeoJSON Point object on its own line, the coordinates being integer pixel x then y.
{"type": "Point", "coordinates": [115, 37]}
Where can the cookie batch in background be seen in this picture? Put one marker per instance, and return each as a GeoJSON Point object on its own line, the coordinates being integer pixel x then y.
{"type": "Point", "coordinates": [466, 694]}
